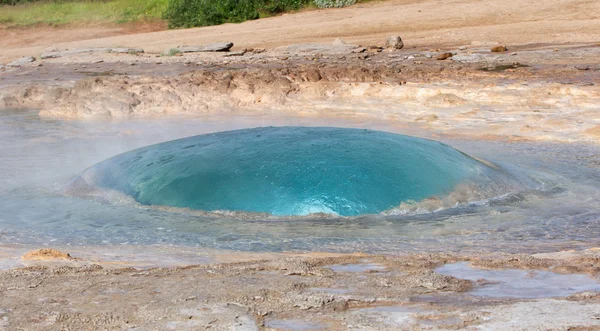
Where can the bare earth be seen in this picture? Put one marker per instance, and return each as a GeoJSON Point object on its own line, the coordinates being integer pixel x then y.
{"type": "Point", "coordinates": [545, 87]}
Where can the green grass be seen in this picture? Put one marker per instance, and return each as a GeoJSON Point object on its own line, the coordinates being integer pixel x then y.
{"type": "Point", "coordinates": [58, 13]}
{"type": "Point", "coordinates": [179, 13]}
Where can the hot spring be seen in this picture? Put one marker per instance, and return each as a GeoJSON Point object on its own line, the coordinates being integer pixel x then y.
{"type": "Point", "coordinates": [289, 171]}
{"type": "Point", "coordinates": [235, 183]}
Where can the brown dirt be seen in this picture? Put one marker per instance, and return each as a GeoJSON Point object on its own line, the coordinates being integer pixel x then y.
{"type": "Point", "coordinates": [45, 35]}
{"type": "Point", "coordinates": [426, 23]}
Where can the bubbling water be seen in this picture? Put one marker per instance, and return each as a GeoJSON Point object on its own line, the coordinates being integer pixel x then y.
{"type": "Point", "coordinates": [291, 171]}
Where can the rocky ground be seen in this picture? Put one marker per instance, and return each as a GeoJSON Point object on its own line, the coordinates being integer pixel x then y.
{"type": "Point", "coordinates": [57, 291]}
{"type": "Point", "coordinates": [528, 92]}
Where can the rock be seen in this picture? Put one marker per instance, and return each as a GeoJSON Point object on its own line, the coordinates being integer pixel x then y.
{"type": "Point", "coordinates": [56, 54]}
{"type": "Point", "coordinates": [359, 50]}
{"type": "Point", "coordinates": [394, 42]}
{"type": "Point", "coordinates": [215, 47]}
{"type": "Point", "coordinates": [1, 67]}
{"type": "Point", "coordinates": [373, 48]}
{"type": "Point", "coordinates": [240, 53]}
{"type": "Point", "coordinates": [127, 50]}
{"type": "Point", "coordinates": [21, 61]}
{"type": "Point", "coordinates": [338, 42]}
{"type": "Point", "coordinates": [46, 254]}
{"type": "Point", "coordinates": [51, 55]}
{"type": "Point", "coordinates": [444, 56]}
{"type": "Point", "coordinates": [51, 50]}
{"type": "Point", "coordinates": [499, 49]}
{"type": "Point", "coordinates": [471, 58]}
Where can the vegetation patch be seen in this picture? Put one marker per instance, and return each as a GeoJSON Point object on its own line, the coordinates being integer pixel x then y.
{"type": "Point", "coordinates": [178, 13]}
{"type": "Point", "coordinates": [27, 12]}
{"type": "Point", "coordinates": [190, 13]}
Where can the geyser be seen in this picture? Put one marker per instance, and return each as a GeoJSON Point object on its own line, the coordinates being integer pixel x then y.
{"type": "Point", "coordinates": [288, 171]}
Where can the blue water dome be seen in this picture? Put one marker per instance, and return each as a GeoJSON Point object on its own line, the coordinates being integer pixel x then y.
{"type": "Point", "coordinates": [289, 171]}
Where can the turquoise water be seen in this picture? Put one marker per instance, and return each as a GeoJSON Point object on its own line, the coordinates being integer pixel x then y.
{"type": "Point", "coordinates": [553, 204]}
{"type": "Point", "coordinates": [289, 171]}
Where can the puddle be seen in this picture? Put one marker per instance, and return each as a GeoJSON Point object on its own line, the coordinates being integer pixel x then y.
{"type": "Point", "coordinates": [390, 309]}
{"type": "Point", "coordinates": [293, 325]}
{"type": "Point", "coordinates": [523, 284]}
{"type": "Point", "coordinates": [395, 315]}
{"type": "Point", "coordinates": [446, 321]}
{"type": "Point", "coordinates": [356, 267]}
{"type": "Point", "coordinates": [503, 67]}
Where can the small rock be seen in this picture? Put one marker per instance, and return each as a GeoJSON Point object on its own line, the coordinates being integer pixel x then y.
{"type": "Point", "coordinates": [97, 61]}
{"type": "Point", "coordinates": [444, 56]}
{"type": "Point", "coordinates": [51, 50]}
{"type": "Point", "coordinates": [46, 254]}
{"type": "Point", "coordinates": [21, 61]}
{"type": "Point", "coordinates": [240, 53]}
{"type": "Point", "coordinates": [259, 50]}
{"type": "Point", "coordinates": [215, 47]}
{"type": "Point", "coordinates": [1, 67]}
{"type": "Point", "coordinates": [373, 48]}
{"type": "Point", "coordinates": [462, 48]}
{"type": "Point", "coordinates": [499, 49]}
{"type": "Point", "coordinates": [394, 42]}
{"type": "Point", "coordinates": [513, 53]}
{"type": "Point", "coordinates": [338, 42]}
{"type": "Point", "coordinates": [363, 56]}
{"type": "Point", "coordinates": [358, 50]}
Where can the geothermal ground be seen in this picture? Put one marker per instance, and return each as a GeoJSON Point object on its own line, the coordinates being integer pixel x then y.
{"type": "Point", "coordinates": [446, 81]}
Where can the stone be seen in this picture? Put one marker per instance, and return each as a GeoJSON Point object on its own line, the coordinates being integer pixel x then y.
{"type": "Point", "coordinates": [21, 61]}
{"type": "Point", "coordinates": [55, 54]}
{"type": "Point", "coordinates": [240, 53]}
{"type": "Point", "coordinates": [499, 49]}
{"type": "Point", "coordinates": [215, 47]}
{"type": "Point", "coordinates": [338, 42]}
{"type": "Point", "coordinates": [51, 50]}
{"type": "Point", "coordinates": [1, 67]}
{"type": "Point", "coordinates": [444, 56]}
{"type": "Point", "coordinates": [359, 50]}
{"type": "Point", "coordinates": [394, 42]}
{"type": "Point", "coordinates": [471, 58]}
{"type": "Point", "coordinates": [46, 254]}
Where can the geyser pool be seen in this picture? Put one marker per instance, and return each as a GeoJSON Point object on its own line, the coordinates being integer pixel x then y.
{"type": "Point", "coordinates": [288, 171]}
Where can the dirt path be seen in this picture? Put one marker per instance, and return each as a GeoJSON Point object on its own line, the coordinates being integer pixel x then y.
{"type": "Point", "coordinates": [421, 23]}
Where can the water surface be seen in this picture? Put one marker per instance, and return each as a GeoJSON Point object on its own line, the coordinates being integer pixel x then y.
{"type": "Point", "coordinates": [556, 206]}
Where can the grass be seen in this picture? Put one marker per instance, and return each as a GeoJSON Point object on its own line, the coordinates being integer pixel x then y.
{"type": "Point", "coordinates": [58, 13]}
